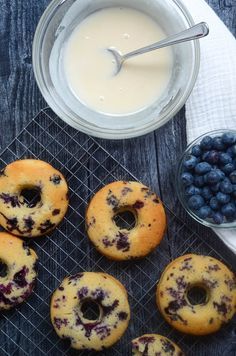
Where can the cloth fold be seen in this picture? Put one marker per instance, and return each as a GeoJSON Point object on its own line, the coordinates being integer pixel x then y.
{"type": "Point", "coordinates": [212, 103]}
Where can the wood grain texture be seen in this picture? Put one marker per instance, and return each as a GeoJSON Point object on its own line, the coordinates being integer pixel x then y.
{"type": "Point", "coordinates": [151, 158]}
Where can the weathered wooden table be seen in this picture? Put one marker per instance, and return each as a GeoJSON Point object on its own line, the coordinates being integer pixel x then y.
{"type": "Point", "coordinates": [151, 158]}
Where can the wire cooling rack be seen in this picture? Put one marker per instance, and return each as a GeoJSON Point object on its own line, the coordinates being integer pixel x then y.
{"type": "Point", "coordinates": [87, 166]}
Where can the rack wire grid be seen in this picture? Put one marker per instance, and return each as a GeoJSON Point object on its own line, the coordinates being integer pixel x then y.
{"type": "Point", "coordinates": [87, 166]}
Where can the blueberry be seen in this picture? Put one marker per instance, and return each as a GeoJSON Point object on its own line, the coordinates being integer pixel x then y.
{"type": "Point", "coordinates": [228, 168]}
{"type": "Point", "coordinates": [228, 210]}
{"type": "Point", "coordinates": [215, 187]}
{"type": "Point", "coordinates": [206, 143]}
{"type": "Point", "coordinates": [230, 152]}
{"type": "Point", "coordinates": [214, 176]}
{"type": "Point", "coordinates": [232, 177]}
{"type": "Point", "coordinates": [228, 138]}
{"type": "Point", "coordinates": [187, 179]}
{"type": "Point", "coordinates": [190, 162]}
{"type": "Point", "coordinates": [199, 181]}
{"type": "Point", "coordinates": [196, 151]}
{"type": "Point", "coordinates": [222, 198]}
{"type": "Point", "coordinates": [233, 150]}
{"type": "Point", "coordinates": [192, 190]}
{"type": "Point", "coordinates": [204, 212]}
{"type": "Point", "coordinates": [218, 218]}
{"type": "Point", "coordinates": [234, 190]}
{"type": "Point", "coordinates": [226, 186]}
{"type": "Point", "coordinates": [225, 158]}
{"type": "Point", "coordinates": [217, 143]}
{"type": "Point", "coordinates": [214, 204]}
{"type": "Point", "coordinates": [211, 157]}
{"type": "Point", "coordinates": [195, 202]}
{"type": "Point", "coordinates": [206, 193]}
{"type": "Point", "coordinates": [202, 167]}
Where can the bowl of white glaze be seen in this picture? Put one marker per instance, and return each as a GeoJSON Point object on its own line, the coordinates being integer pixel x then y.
{"type": "Point", "coordinates": [53, 32]}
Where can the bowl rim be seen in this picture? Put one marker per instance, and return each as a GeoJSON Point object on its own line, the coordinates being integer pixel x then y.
{"type": "Point", "coordinates": [85, 126]}
{"type": "Point", "coordinates": [179, 185]}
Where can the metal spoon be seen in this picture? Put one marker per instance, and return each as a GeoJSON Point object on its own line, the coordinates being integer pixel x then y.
{"type": "Point", "coordinates": [198, 31]}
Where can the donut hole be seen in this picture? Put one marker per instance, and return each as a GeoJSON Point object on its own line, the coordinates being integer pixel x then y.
{"type": "Point", "coordinates": [31, 196]}
{"type": "Point", "coordinates": [125, 219]}
{"type": "Point", "coordinates": [197, 295]}
{"type": "Point", "coordinates": [90, 310]}
{"type": "Point", "coordinates": [3, 269]}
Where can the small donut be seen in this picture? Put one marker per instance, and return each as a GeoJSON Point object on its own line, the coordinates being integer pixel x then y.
{"type": "Point", "coordinates": [17, 271]}
{"type": "Point", "coordinates": [32, 218]}
{"type": "Point", "coordinates": [118, 243]}
{"type": "Point", "coordinates": [195, 271]}
{"type": "Point", "coordinates": [154, 344]}
{"type": "Point", "coordinates": [103, 291]}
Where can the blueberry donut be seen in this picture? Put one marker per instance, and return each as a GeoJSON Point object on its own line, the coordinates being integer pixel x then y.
{"type": "Point", "coordinates": [153, 344]}
{"type": "Point", "coordinates": [120, 243]}
{"type": "Point", "coordinates": [99, 291]}
{"type": "Point", "coordinates": [191, 273]}
{"type": "Point", "coordinates": [21, 215]}
{"type": "Point", "coordinates": [17, 271]}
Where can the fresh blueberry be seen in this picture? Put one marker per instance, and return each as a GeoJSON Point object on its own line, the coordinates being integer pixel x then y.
{"type": "Point", "coordinates": [232, 177]}
{"type": "Point", "coordinates": [202, 168]}
{"type": "Point", "coordinates": [228, 138]}
{"type": "Point", "coordinates": [229, 151]}
{"type": "Point", "coordinates": [192, 190]}
{"type": "Point", "coordinates": [215, 187]}
{"type": "Point", "coordinates": [217, 143]}
{"type": "Point", "coordinates": [225, 158]}
{"type": "Point", "coordinates": [214, 204]}
{"type": "Point", "coordinates": [233, 150]}
{"type": "Point", "coordinates": [214, 176]}
{"type": "Point", "coordinates": [195, 202]}
{"type": "Point", "coordinates": [190, 162]}
{"type": "Point", "coordinates": [211, 157]}
{"type": "Point", "coordinates": [228, 210]}
{"type": "Point", "coordinates": [199, 181]}
{"type": "Point", "coordinates": [228, 168]}
{"type": "Point", "coordinates": [204, 212]}
{"type": "Point", "coordinates": [206, 143]}
{"type": "Point", "coordinates": [226, 186]}
{"type": "Point", "coordinates": [196, 151]}
{"type": "Point", "coordinates": [187, 179]}
{"type": "Point", "coordinates": [234, 190]}
{"type": "Point", "coordinates": [206, 193]}
{"type": "Point", "coordinates": [218, 218]}
{"type": "Point", "coordinates": [222, 198]}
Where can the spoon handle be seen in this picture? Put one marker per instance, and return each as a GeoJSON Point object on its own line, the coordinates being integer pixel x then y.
{"type": "Point", "coordinates": [192, 33]}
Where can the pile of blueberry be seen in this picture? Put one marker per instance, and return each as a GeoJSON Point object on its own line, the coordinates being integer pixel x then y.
{"type": "Point", "coordinates": [209, 178]}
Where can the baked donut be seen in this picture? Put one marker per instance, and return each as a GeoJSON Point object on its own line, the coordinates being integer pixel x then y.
{"type": "Point", "coordinates": [17, 271]}
{"type": "Point", "coordinates": [195, 271]}
{"type": "Point", "coordinates": [103, 291]}
{"type": "Point", "coordinates": [122, 244]}
{"type": "Point", "coordinates": [32, 218]}
{"type": "Point", "coordinates": [154, 344]}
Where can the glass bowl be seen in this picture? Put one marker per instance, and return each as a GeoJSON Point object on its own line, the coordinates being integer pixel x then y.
{"type": "Point", "coordinates": [54, 28]}
{"type": "Point", "coordinates": [181, 189]}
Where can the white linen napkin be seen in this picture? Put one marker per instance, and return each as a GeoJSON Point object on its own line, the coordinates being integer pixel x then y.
{"type": "Point", "coordinates": [212, 104]}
